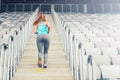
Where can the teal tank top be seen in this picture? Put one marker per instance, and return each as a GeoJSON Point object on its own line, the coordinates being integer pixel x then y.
{"type": "Point", "coordinates": [42, 29]}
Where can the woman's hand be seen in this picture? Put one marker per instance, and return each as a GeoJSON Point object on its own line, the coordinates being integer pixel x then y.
{"type": "Point", "coordinates": [35, 32]}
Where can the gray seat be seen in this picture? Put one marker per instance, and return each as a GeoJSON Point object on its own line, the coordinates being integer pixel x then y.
{"type": "Point", "coordinates": [109, 51]}
{"type": "Point", "coordinates": [87, 45]}
{"type": "Point", "coordinates": [115, 59]}
{"type": "Point", "coordinates": [100, 44]}
{"type": "Point", "coordinates": [108, 39]}
{"type": "Point", "coordinates": [93, 63]}
{"type": "Point", "coordinates": [95, 39]}
{"type": "Point", "coordinates": [92, 51]}
{"type": "Point", "coordinates": [110, 71]}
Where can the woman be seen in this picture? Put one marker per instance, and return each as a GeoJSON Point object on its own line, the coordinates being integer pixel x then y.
{"type": "Point", "coordinates": [42, 29]}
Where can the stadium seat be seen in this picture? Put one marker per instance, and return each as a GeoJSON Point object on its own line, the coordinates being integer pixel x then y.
{"type": "Point", "coordinates": [109, 51]}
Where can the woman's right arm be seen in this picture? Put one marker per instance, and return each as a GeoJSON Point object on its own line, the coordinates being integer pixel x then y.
{"type": "Point", "coordinates": [35, 28]}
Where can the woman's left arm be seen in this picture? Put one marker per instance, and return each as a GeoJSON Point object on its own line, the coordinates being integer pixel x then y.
{"type": "Point", "coordinates": [48, 25]}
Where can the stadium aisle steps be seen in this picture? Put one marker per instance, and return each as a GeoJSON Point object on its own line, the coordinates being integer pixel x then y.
{"type": "Point", "coordinates": [58, 68]}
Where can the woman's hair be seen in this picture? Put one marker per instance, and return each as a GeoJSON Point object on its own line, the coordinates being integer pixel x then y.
{"type": "Point", "coordinates": [41, 17]}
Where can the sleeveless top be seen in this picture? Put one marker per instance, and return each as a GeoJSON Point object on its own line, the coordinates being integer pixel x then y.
{"type": "Point", "coordinates": [42, 29]}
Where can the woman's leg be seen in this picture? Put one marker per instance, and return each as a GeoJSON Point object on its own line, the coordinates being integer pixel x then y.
{"type": "Point", "coordinates": [46, 41]}
{"type": "Point", "coordinates": [39, 46]}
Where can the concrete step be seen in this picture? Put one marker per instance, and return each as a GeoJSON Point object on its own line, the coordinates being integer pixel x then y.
{"type": "Point", "coordinates": [32, 77]}
{"type": "Point", "coordinates": [47, 70]}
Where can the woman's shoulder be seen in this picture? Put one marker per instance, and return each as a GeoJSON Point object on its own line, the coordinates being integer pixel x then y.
{"type": "Point", "coordinates": [45, 22]}
{"type": "Point", "coordinates": [37, 23]}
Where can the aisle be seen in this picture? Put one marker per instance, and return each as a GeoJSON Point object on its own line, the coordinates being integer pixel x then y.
{"type": "Point", "coordinates": [58, 68]}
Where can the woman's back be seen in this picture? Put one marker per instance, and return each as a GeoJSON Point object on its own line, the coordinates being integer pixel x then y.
{"type": "Point", "coordinates": [42, 28]}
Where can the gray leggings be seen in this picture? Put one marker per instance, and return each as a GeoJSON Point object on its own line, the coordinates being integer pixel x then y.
{"type": "Point", "coordinates": [43, 40]}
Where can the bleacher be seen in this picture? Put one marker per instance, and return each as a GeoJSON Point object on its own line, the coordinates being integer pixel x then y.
{"type": "Point", "coordinates": [91, 43]}
{"type": "Point", "coordinates": [15, 29]}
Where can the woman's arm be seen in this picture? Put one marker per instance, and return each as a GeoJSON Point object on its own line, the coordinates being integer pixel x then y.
{"type": "Point", "coordinates": [48, 25]}
{"type": "Point", "coordinates": [35, 28]}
